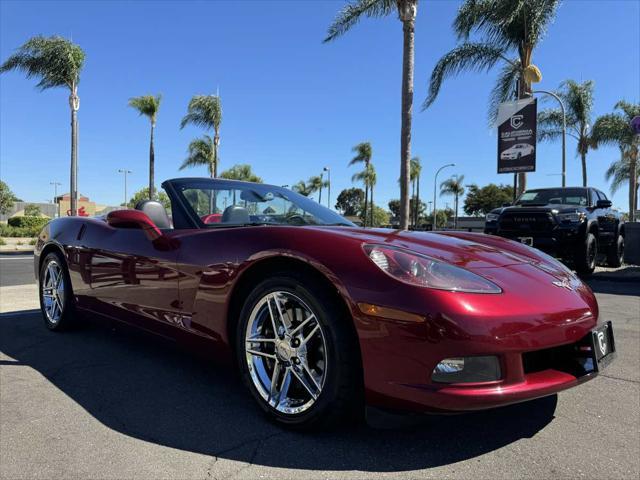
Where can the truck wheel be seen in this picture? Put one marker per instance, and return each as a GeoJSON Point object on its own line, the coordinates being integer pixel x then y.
{"type": "Point", "coordinates": [615, 253]}
{"type": "Point", "coordinates": [586, 255]}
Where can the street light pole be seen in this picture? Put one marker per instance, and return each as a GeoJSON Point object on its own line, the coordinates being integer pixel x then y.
{"type": "Point", "coordinates": [328, 170]}
{"type": "Point", "coordinates": [125, 171]}
{"type": "Point", "coordinates": [564, 133]}
{"type": "Point", "coordinates": [55, 195]}
{"type": "Point", "coordinates": [435, 187]}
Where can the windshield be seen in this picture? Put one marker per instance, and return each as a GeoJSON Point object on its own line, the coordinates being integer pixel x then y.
{"type": "Point", "coordinates": [219, 203]}
{"type": "Point", "coordinates": [559, 196]}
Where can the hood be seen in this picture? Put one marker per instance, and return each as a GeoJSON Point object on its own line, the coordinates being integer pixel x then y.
{"type": "Point", "coordinates": [552, 207]}
{"type": "Point", "coordinates": [470, 251]}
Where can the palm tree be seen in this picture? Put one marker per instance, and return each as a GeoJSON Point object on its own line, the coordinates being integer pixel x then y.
{"type": "Point", "coordinates": [578, 103]}
{"type": "Point", "coordinates": [206, 111]}
{"type": "Point", "coordinates": [148, 105]}
{"type": "Point", "coordinates": [315, 184]}
{"type": "Point", "coordinates": [512, 29]}
{"type": "Point", "coordinates": [453, 186]}
{"type": "Point", "coordinates": [364, 152]}
{"type": "Point", "coordinates": [241, 172]}
{"type": "Point", "coordinates": [414, 175]}
{"type": "Point", "coordinates": [369, 178]}
{"type": "Point", "coordinates": [619, 172]}
{"type": "Point", "coordinates": [406, 10]}
{"type": "Point", "coordinates": [615, 129]}
{"type": "Point", "coordinates": [55, 62]}
{"type": "Point", "coordinates": [302, 188]}
{"type": "Point", "coordinates": [201, 152]}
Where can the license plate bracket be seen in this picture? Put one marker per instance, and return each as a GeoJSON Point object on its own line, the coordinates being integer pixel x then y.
{"type": "Point", "coordinates": [603, 346]}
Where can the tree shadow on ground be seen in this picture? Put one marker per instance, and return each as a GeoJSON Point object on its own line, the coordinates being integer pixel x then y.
{"type": "Point", "coordinates": [151, 390]}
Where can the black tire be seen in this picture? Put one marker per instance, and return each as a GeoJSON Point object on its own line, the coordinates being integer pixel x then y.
{"type": "Point", "coordinates": [65, 319]}
{"type": "Point", "coordinates": [586, 255]}
{"type": "Point", "coordinates": [342, 392]}
{"type": "Point", "coordinates": [615, 253]}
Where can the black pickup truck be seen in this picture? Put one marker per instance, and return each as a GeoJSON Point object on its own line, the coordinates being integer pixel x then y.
{"type": "Point", "coordinates": [574, 223]}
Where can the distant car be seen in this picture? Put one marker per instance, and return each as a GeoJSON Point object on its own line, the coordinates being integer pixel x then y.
{"type": "Point", "coordinates": [573, 223]}
{"type": "Point", "coordinates": [516, 151]}
{"type": "Point", "coordinates": [321, 316]}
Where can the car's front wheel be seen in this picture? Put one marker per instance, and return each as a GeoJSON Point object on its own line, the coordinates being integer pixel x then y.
{"type": "Point", "coordinates": [296, 352]}
{"type": "Point", "coordinates": [56, 299]}
{"type": "Point", "coordinates": [586, 255]}
{"type": "Point", "coordinates": [615, 253]}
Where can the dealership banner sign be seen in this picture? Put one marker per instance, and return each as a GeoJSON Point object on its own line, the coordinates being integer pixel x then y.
{"type": "Point", "coordinates": [517, 136]}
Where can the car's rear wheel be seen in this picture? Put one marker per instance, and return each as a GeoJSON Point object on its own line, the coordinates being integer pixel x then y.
{"type": "Point", "coordinates": [296, 352]}
{"type": "Point", "coordinates": [615, 253]}
{"type": "Point", "coordinates": [587, 255]}
{"type": "Point", "coordinates": [56, 299]}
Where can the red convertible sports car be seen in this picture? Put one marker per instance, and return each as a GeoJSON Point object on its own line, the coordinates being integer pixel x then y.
{"type": "Point", "coordinates": [322, 316]}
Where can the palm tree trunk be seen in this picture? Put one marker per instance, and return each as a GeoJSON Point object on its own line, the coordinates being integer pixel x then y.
{"type": "Point", "coordinates": [633, 181]}
{"type": "Point", "coordinates": [417, 207]}
{"type": "Point", "coordinates": [583, 157]}
{"type": "Point", "coordinates": [407, 106]}
{"type": "Point", "coordinates": [372, 208]}
{"type": "Point", "coordinates": [216, 142]}
{"type": "Point", "coordinates": [74, 103]}
{"type": "Point", "coordinates": [455, 216]}
{"type": "Point", "coordinates": [366, 199]}
{"type": "Point", "coordinates": [152, 193]}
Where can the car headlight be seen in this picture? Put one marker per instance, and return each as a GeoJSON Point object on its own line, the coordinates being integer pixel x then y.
{"type": "Point", "coordinates": [422, 271]}
{"type": "Point", "coordinates": [575, 217]}
{"type": "Point", "coordinates": [492, 217]}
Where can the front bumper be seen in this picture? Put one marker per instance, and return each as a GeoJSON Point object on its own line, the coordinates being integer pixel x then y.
{"type": "Point", "coordinates": [558, 241]}
{"type": "Point", "coordinates": [399, 357]}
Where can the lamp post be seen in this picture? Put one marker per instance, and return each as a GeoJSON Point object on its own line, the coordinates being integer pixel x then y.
{"type": "Point", "coordinates": [564, 133]}
{"type": "Point", "coordinates": [435, 188]}
{"type": "Point", "coordinates": [328, 170]}
{"type": "Point", "coordinates": [125, 172]}
{"type": "Point", "coordinates": [55, 196]}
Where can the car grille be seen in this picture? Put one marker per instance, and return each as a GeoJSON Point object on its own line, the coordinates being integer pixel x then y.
{"type": "Point", "coordinates": [526, 222]}
{"type": "Point", "coordinates": [574, 359]}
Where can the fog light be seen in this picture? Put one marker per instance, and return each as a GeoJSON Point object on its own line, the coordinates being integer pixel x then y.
{"type": "Point", "coordinates": [467, 370]}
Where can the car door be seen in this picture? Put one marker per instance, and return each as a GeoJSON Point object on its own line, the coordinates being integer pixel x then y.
{"type": "Point", "coordinates": [606, 220]}
{"type": "Point", "coordinates": [130, 277]}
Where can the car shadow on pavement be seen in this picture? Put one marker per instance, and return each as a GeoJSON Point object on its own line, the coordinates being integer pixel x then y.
{"type": "Point", "coordinates": [150, 389]}
{"type": "Point", "coordinates": [627, 287]}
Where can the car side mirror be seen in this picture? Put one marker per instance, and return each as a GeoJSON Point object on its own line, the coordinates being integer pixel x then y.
{"type": "Point", "coordinates": [134, 219]}
{"type": "Point", "coordinates": [603, 204]}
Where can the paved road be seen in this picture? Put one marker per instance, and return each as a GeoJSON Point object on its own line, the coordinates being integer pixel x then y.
{"type": "Point", "coordinates": [105, 402]}
{"type": "Point", "coordinates": [16, 270]}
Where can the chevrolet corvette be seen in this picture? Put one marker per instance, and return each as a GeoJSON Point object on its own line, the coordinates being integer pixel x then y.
{"type": "Point", "coordinates": [322, 317]}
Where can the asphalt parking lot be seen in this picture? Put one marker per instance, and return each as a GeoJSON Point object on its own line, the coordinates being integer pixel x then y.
{"type": "Point", "coordinates": [106, 402]}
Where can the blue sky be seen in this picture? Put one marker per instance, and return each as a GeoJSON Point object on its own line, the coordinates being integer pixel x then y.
{"type": "Point", "coordinates": [292, 105]}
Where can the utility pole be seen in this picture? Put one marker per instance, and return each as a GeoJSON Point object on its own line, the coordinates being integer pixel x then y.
{"type": "Point", "coordinates": [55, 196]}
{"type": "Point", "coordinates": [125, 172]}
{"type": "Point", "coordinates": [435, 189]}
{"type": "Point", "coordinates": [328, 170]}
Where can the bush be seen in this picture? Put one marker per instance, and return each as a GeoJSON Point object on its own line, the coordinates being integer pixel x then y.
{"type": "Point", "coordinates": [28, 222]}
{"type": "Point", "coordinates": [33, 241]}
{"type": "Point", "coordinates": [10, 231]}
{"type": "Point", "coordinates": [2, 242]}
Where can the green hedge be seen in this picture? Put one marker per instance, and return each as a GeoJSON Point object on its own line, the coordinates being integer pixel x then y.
{"type": "Point", "coordinates": [10, 231]}
{"type": "Point", "coordinates": [28, 222]}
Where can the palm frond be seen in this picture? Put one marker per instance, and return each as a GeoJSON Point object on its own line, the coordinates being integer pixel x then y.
{"type": "Point", "coordinates": [147, 105]}
{"type": "Point", "coordinates": [611, 129]}
{"type": "Point", "coordinates": [452, 186]}
{"type": "Point", "coordinates": [354, 11]}
{"type": "Point", "coordinates": [203, 111]}
{"type": "Point", "coordinates": [363, 151]}
{"type": "Point", "coordinates": [55, 61]}
{"type": "Point", "coordinates": [548, 134]}
{"type": "Point", "coordinates": [241, 172]}
{"type": "Point", "coordinates": [200, 152]}
{"type": "Point", "coordinates": [415, 168]}
{"type": "Point", "coordinates": [619, 171]}
{"type": "Point", "coordinates": [468, 56]}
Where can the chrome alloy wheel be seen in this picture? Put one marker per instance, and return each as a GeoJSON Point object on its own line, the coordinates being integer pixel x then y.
{"type": "Point", "coordinates": [286, 352]}
{"type": "Point", "coordinates": [52, 287]}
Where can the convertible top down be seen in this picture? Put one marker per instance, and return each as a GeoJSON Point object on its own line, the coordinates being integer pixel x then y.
{"type": "Point", "coordinates": [320, 315]}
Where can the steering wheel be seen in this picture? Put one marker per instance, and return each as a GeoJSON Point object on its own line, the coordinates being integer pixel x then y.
{"type": "Point", "coordinates": [296, 219]}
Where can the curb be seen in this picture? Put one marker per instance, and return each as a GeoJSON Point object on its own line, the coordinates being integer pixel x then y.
{"type": "Point", "coordinates": [16, 252]}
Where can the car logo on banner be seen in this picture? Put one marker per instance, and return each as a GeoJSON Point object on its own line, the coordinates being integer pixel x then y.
{"type": "Point", "coordinates": [517, 136]}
